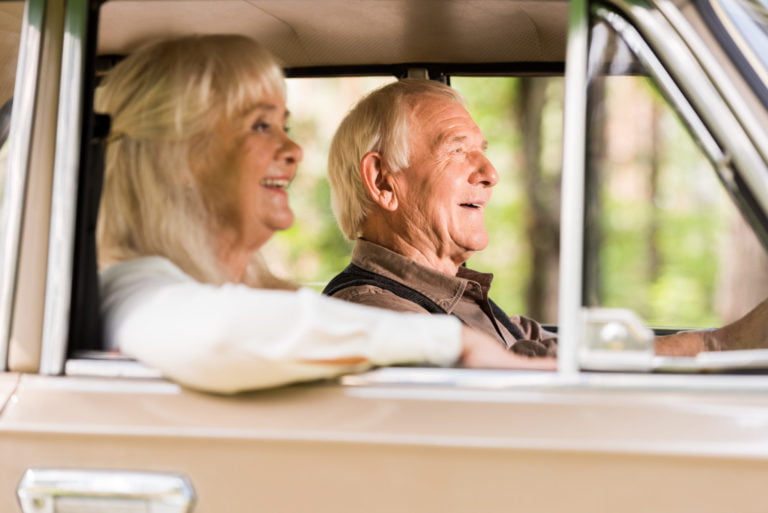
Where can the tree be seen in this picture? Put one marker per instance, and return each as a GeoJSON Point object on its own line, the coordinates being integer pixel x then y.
{"type": "Point", "coordinates": [542, 192]}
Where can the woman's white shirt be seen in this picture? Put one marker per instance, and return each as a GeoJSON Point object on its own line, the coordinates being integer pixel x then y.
{"type": "Point", "coordinates": [231, 337]}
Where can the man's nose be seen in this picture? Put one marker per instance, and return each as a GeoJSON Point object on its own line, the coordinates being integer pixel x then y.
{"type": "Point", "coordinates": [485, 173]}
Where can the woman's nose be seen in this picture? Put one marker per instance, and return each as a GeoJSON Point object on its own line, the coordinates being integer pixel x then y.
{"type": "Point", "coordinates": [291, 151]}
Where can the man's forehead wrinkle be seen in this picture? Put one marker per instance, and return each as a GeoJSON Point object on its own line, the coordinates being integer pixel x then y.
{"type": "Point", "coordinates": [459, 132]}
{"type": "Point", "coordinates": [446, 136]}
{"type": "Point", "coordinates": [441, 121]}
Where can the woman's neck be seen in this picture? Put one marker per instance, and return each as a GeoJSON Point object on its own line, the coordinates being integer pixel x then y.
{"type": "Point", "coordinates": [234, 258]}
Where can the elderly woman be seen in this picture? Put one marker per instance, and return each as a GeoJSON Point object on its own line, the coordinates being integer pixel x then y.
{"type": "Point", "coordinates": [197, 169]}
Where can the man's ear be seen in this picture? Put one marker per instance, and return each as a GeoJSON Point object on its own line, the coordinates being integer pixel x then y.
{"type": "Point", "coordinates": [378, 181]}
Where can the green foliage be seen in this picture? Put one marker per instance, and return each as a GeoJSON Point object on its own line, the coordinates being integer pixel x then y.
{"type": "Point", "coordinates": [690, 211]}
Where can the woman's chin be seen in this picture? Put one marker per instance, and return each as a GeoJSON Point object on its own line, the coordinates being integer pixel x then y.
{"type": "Point", "coordinates": [283, 222]}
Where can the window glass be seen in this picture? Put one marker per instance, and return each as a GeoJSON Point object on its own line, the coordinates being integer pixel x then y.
{"type": "Point", "coordinates": [663, 237]}
{"type": "Point", "coordinates": [313, 250]}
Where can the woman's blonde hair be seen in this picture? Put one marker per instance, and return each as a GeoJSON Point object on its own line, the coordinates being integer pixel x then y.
{"type": "Point", "coordinates": [165, 102]}
{"type": "Point", "coordinates": [379, 123]}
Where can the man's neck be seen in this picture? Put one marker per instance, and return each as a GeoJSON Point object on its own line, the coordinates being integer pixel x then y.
{"type": "Point", "coordinates": [422, 254]}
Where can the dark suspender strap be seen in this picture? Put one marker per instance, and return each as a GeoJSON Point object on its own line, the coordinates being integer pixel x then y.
{"type": "Point", "coordinates": [503, 318]}
{"type": "Point", "coordinates": [353, 276]}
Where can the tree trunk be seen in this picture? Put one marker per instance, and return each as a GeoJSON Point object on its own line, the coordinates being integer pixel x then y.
{"type": "Point", "coordinates": [542, 216]}
{"type": "Point", "coordinates": [657, 149]}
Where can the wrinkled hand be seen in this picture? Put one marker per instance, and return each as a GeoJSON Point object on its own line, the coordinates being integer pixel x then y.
{"type": "Point", "coordinates": [749, 332]}
{"type": "Point", "coordinates": [480, 351]}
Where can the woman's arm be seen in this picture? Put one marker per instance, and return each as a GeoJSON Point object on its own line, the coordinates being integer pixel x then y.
{"type": "Point", "coordinates": [230, 338]}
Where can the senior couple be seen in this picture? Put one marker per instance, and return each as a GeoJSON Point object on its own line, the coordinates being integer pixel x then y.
{"type": "Point", "coordinates": [195, 184]}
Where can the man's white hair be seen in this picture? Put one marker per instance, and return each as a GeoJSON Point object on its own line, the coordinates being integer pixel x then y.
{"type": "Point", "coordinates": [378, 123]}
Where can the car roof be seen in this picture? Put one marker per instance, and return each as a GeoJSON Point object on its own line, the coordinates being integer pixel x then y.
{"type": "Point", "coordinates": [322, 33]}
{"type": "Point", "coordinates": [318, 33]}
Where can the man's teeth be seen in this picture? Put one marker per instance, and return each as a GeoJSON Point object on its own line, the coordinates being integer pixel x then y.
{"type": "Point", "coordinates": [275, 182]}
{"type": "Point", "coordinates": [473, 205]}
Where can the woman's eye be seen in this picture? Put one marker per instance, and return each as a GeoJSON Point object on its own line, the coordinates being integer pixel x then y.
{"type": "Point", "coordinates": [260, 126]}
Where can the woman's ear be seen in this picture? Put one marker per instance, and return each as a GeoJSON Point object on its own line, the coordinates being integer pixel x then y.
{"type": "Point", "coordinates": [378, 181]}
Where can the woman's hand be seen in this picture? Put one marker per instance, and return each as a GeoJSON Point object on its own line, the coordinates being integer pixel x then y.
{"type": "Point", "coordinates": [480, 351]}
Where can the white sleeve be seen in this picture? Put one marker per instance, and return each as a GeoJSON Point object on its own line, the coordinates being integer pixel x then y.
{"type": "Point", "coordinates": [232, 337]}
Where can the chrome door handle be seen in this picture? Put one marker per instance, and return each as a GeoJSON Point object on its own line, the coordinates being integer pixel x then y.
{"type": "Point", "coordinates": [103, 491]}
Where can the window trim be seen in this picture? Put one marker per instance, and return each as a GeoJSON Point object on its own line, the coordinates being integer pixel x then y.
{"type": "Point", "coordinates": [69, 126]}
{"type": "Point", "coordinates": [385, 380]}
{"type": "Point", "coordinates": [436, 70]}
{"type": "Point", "coordinates": [712, 96]}
{"type": "Point", "coordinates": [20, 141]}
{"type": "Point", "coordinates": [740, 51]}
{"type": "Point", "coordinates": [572, 192]}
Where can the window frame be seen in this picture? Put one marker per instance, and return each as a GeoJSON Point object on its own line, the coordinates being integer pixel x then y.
{"type": "Point", "coordinates": [26, 88]}
{"type": "Point", "coordinates": [75, 59]}
{"type": "Point", "coordinates": [717, 128]}
{"type": "Point", "coordinates": [676, 100]}
{"type": "Point", "coordinates": [736, 43]}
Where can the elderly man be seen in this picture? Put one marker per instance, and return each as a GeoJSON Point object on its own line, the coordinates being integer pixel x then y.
{"type": "Point", "coordinates": [410, 182]}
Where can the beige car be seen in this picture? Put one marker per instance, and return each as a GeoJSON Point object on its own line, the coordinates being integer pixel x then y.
{"type": "Point", "coordinates": [614, 429]}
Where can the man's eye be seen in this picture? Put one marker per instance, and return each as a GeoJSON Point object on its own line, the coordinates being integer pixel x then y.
{"type": "Point", "coordinates": [287, 129]}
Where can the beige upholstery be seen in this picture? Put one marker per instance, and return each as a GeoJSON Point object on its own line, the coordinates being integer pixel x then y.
{"type": "Point", "coordinates": [343, 32]}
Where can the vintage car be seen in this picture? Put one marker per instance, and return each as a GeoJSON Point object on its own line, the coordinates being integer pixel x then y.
{"type": "Point", "coordinates": [615, 428]}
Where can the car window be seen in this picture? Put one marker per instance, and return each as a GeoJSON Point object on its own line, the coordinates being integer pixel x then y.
{"type": "Point", "coordinates": [663, 237]}
{"type": "Point", "coordinates": [520, 117]}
